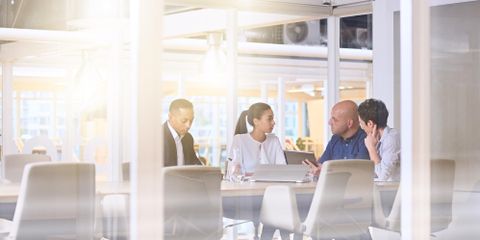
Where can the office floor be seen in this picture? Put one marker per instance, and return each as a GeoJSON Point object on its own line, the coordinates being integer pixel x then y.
{"type": "Point", "coordinates": [457, 230]}
{"type": "Point", "coordinates": [245, 232]}
{"type": "Point", "coordinates": [464, 225]}
{"type": "Point", "coordinates": [380, 234]}
{"type": "Point", "coordinates": [466, 218]}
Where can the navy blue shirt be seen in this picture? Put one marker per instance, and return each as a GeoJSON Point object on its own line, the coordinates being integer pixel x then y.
{"type": "Point", "coordinates": [350, 148]}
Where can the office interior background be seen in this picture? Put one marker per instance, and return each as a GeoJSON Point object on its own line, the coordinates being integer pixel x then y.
{"type": "Point", "coordinates": [70, 82]}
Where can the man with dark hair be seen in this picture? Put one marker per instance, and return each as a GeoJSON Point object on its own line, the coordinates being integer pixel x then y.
{"type": "Point", "coordinates": [177, 142]}
{"type": "Point", "coordinates": [347, 141]}
{"type": "Point", "coordinates": [382, 142]}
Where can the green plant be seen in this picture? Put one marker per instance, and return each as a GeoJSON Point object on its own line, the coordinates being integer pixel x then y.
{"type": "Point", "coordinates": [300, 144]}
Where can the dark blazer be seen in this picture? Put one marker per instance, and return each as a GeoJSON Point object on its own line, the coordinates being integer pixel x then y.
{"type": "Point", "coordinates": [170, 150]}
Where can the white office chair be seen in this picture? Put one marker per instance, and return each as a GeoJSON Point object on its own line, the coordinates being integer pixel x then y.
{"type": "Point", "coordinates": [96, 151]}
{"type": "Point", "coordinates": [56, 201]}
{"type": "Point", "coordinates": [193, 203]}
{"type": "Point", "coordinates": [331, 214]}
{"type": "Point", "coordinates": [126, 171]}
{"type": "Point", "coordinates": [41, 141]}
{"type": "Point", "coordinates": [442, 180]}
{"type": "Point", "coordinates": [15, 163]}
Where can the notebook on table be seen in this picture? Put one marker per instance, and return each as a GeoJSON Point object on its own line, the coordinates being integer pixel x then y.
{"type": "Point", "coordinates": [297, 157]}
{"type": "Point", "coordinates": [280, 173]}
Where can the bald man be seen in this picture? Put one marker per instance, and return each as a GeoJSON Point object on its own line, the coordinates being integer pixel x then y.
{"type": "Point", "coordinates": [348, 140]}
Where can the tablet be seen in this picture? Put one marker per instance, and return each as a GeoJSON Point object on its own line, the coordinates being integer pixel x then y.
{"type": "Point", "coordinates": [297, 157]}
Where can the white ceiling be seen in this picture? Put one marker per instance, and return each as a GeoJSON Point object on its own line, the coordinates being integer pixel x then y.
{"type": "Point", "coordinates": [63, 49]}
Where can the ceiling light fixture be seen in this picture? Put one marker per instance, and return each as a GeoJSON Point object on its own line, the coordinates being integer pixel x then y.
{"type": "Point", "coordinates": [214, 62]}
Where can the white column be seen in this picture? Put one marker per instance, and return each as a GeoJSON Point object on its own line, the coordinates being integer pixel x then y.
{"type": "Point", "coordinates": [415, 118]}
{"type": "Point", "coordinates": [280, 124]}
{"type": "Point", "coordinates": [54, 124]}
{"type": "Point", "coordinates": [383, 56]}
{"type": "Point", "coordinates": [264, 91]}
{"type": "Point", "coordinates": [114, 95]}
{"type": "Point", "coordinates": [369, 92]}
{"type": "Point", "coordinates": [330, 93]}
{"type": "Point", "coordinates": [181, 86]}
{"type": "Point", "coordinates": [146, 20]}
{"type": "Point", "coordinates": [127, 112]}
{"type": "Point", "coordinates": [70, 129]}
{"type": "Point", "coordinates": [215, 143]}
{"type": "Point", "coordinates": [7, 106]}
{"type": "Point", "coordinates": [232, 76]}
{"type": "Point", "coordinates": [300, 119]}
{"type": "Point", "coordinates": [232, 81]}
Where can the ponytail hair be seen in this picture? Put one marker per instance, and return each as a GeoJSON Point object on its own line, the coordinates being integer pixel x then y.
{"type": "Point", "coordinates": [255, 111]}
{"type": "Point", "coordinates": [242, 123]}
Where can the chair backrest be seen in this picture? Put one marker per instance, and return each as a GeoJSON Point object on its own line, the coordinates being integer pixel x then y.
{"type": "Point", "coordinates": [333, 213]}
{"type": "Point", "coordinates": [96, 151]}
{"type": "Point", "coordinates": [441, 196]}
{"type": "Point", "coordinates": [15, 163]}
{"type": "Point", "coordinates": [393, 221]}
{"type": "Point", "coordinates": [126, 171]}
{"type": "Point", "coordinates": [193, 203]}
{"type": "Point", "coordinates": [56, 200]}
{"type": "Point", "coordinates": [41, 141]}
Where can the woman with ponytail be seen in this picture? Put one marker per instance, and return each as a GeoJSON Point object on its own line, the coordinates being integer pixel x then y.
{"type": "Point", "coordinates": [258, 146]}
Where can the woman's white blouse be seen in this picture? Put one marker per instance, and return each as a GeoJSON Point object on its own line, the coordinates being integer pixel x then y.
{"type": "Point", "coordinates": [251, 152]}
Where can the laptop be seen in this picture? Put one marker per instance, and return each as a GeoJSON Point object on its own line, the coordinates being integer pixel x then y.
{"type": "Point", "coordinates": [280, 173]}
{"type": "Point", "coordinates": [297, 157]}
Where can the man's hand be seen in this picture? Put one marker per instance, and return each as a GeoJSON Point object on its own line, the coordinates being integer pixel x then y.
{"type": "Point", "coordinates": [371, 142]}
{"type": "Point", "coordinates": [314, 169]}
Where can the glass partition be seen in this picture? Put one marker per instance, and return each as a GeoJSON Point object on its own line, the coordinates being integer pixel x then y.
{"type": "Point", "coordinates": [455, 82]}
{"type": "Point", "coordinates": [70, 93]}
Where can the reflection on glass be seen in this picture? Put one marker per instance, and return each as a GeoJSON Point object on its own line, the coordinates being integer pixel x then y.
{"type": "Point", "coordinates": [455, 81]}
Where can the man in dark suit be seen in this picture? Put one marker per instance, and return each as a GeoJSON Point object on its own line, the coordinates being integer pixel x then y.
{"type": "Point", "coordinates": [177, 142]}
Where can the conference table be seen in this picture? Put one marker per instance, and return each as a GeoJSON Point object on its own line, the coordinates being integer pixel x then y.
{"type": "Point", "coordinates": [9, 191]}
{"type": "Point", "coordinates": [240, 200]}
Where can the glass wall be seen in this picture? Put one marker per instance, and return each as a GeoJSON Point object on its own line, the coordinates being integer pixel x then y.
{"type": "Point", "coordinates": [59, 115]}
{"type": "Point", "coordinates": [258, 74]}
{"type": "Point", "coordinates": [455, 82]}
{"type": "Point", "coordinates": [68, 97]}
{"type": "Point", "coordinates": [453, 149]}
{"type": "Point", "coordinates": [39, 113]}
{"type": "Point", "coordinates": [356, 32]}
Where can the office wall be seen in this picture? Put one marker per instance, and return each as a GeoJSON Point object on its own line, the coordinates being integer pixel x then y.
{"type": "Point", "coordinates": [455, 87]}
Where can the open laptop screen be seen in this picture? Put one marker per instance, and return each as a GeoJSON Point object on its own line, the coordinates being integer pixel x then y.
{"type": "Point", "coordinates": [280, 173]}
